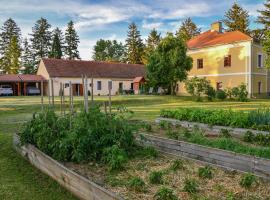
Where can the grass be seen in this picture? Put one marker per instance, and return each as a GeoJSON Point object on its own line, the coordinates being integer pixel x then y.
{"type": "Point", "coordinates": [19, 180]}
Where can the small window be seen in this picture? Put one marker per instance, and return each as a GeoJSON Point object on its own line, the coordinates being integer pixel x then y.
{"type": "Point", "coordinates": [199, 63]}
{"type": "Point", "coordinates": [98, 85]}
{"type": "Point", "coordinates": [131, 86]}
{"type": "Point", "coordinates": [120, 86]}
{"type": "Point", "coordinates": [109, 85]}
{"type": "Point", "coordinates": [66, 85]}
{"type": "Point", "coordinates": [219, 86]}
{"type": "Point", "coordinates": [227, 61]}
{"type": "Point", "coordinates": [259, 87]}
{"type": "Point", "coordinates": [259, 60]}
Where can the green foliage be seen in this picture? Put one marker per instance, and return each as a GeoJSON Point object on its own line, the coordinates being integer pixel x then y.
{"type": "Point", "coordinates": [93, 136]}
{"type": "Point", "coordinates": [147, 127]}
{"type": "Point", "coordinates": [264, 17]}
{"type": "Point", "coordinates": [173, 134]}
{"type": "Point", "coordinates": [191, 186]}
{"type": "Point", "coordinates": [225, 133]}
{"type": "Point", "coordinates": [221, 95]}
{"type": "Point", "coordinates": [57, 45]}
{"type": "Point", "coordinates": [229, 92]}
{"type": "Point", "coordinates": [240, 92]}
{"type": "Point", "coordinates": [165, 194]}
{"type": "Point", "coordinates": [205, 172]}
{"type": "Point", "coordinates": [266, 47]}
{"type": "Point", "coordinates": [136, 184]}
{"type": "Point", "coordinates": [177, 164]}
{"type": "Point", "coordinates": [156, 177]}
{"type": "Point", "coordinates": [27, 59]}
{"type": "Point", "coordinates": [165, 124]}
{"type": "Point", "coordinates": [188, 30]}
{"type": "Point", "coordinates": [147, 152]}
{"type": "Point", "coordinates": [255, 119]}
{"type": "Point", "coordinates": [168, 64]}
{"type": "Point", "coordinates": [237, 19]}
{"type": "Point", "coordinates": [247, 180]}
{"type": "Point", "coordinates": [72, 41]}
{"type": "Point", "coordinates": [152, 43]}
{"type": "Point", "coordinates": [249, 137]}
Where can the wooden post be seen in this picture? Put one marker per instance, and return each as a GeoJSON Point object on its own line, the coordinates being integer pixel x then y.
{"type": "Point", "coordinates": [52, 89]}
{"type": "Point", "coordinates": [110, 101]}
{"type": "Point", "coordinates": [83, 91]}
{"type": "Point", "coordinates": [105, 107]}
{"type": "Point", "coordinates": [49, 91]}
{"type": "Point", "coordinates": [92, 92]}
{"type": "Point", "coordinates": [86, 94]}
{"type": "Point", "coordinates": [41, 91]}
{"type": "Point", "coordinates": [61, 98]}
{"type": "Point", "coordinates": [19, 89]}
{"type": "Point", "coordinates": [64, 105]}
{"type": "Point", "coordinates": [24, 89]}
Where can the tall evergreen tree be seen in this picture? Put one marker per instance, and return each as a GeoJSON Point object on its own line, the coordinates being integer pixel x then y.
{"type": "Point", "coordinates": [56, 49]}
{"type": "Point", "coordinates": [237, 18]}
{"type": "Point", "coordinates": [72, 41]}
{"type": "Point", "coordinates": [27, 58]}
{"type": "Point", "coordinates": [41, 39]}
{"type": "Point", "coordinates": [134, 45]}
{"type": "Point", "coordinates": [266, 48]}
{"type": "Point", "coordinates": [151, 44]}
{"type": "Point", "coordinates": [12, 57]}
{"type": "Point", "coordinates": [188, 30]}
{"type": "Point", "coordinates": [9, 30]}
{"type": "Point", "coordinates": [264, 17]}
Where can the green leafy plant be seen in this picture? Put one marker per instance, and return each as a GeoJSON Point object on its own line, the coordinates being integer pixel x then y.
{"type": "Point", "coordinates": [173, 134]}
{"type": "Point", "coordinates": [225, 133]}
{"type": "Point", "coordinates": [177, 164]}
{"type": "Point", "coordinates": [205, 172]}
{"type": "Point", "coordinates": [147, 152]}
{"type": "Point", "coordinates": [165, 125]}
{"type": "Point", "coordinates": [191, 186]}
{"type": "Point", "coordinates": [249, 137]}
{"type": "Point", "coordinates": [136, 184]}
{"type": "Point", "coordinates": [247, 180]}
{"type": "Point", "coordinates": [115, 157]}
{"type": "Point", "coordinates": [165, 194]}
{"type": "Point", "coordinates": [221, 95]}
{"type": "Point", "coordinates": [156, 177]}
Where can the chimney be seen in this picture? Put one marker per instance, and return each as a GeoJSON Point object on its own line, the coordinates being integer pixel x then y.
{"type": "Point", "coordinates": [217, 26]}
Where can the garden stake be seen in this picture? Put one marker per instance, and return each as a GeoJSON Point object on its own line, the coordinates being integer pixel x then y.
{"type": "Point", "coordinates": [92, 92]}
{"type": "Point", "coordinates": [52, 94]}
{"type": "Point", "coordinates": [61, 101]}
{"type": "Point", "coordinates": [64, 105]}
{"type": "Point", "coordinates": [42, 103]}
{"type": "Point", "coordinates": [86, 94]}
{"type": "Point", "coordinates": [110, 101]}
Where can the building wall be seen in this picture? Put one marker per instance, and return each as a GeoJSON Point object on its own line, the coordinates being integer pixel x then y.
{"type": "Point", "coordinates": [104, 85]}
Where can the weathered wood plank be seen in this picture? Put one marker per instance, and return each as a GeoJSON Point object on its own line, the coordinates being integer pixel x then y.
{"type": "Point", "coordinates": [78, 185]}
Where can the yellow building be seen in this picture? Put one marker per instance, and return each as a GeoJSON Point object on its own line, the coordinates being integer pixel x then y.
{"type": "Point", "coordinates": [228, 59]}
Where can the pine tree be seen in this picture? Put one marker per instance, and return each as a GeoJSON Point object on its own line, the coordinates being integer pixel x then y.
{"type": "Point", "coordinates": [12, 57]}
{"type": "Point", "coordinates": [57, 45]}
{"type": "Point", "coordinates": [151, 44]}
{"type": "Point", "coordinates": [266, 48]}
{"type": "Point", "coordinates": [27, 59]}
{"type": "Point", "coordinates": [134, 45]}
{"type": "Point", "coordinates": [41, 39]}
{"type": "Point", "coordinates": [264, 17]}
{"type": "Point", "coordinates": [72, 41]}
{"type": "Point", "coordinates": [188, 30]}
{"type": "Point", "coordinates": [237, 18]}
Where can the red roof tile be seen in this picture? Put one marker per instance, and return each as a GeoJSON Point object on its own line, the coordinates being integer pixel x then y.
{"type": "Point", "coordinates": [9, 78]}
{"type": "Point", "coordinates": [20, 77]}
{"type": "Point", "coordinates": [212, 38]}
{"type": "Point", "coordinates": [76, 68]}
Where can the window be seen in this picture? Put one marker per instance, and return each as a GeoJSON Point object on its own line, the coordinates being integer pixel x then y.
{"type": "Point", "coordinates": [259, 87]}
{"type": "Point", "coordinates": [199, 63]}
{"type": "Point", "coordinates": [98, 85]}
{"type": "Point", "coordinates": [227, 61]}
{"type": "Point", "coordinates": [109, 85]}
{"type": "Point", "coordinates": [66, 85]}
{"type": "Point", "coordinates": [260, 60]}
{"type": "Point", "coordinates": [120, 86]}
{"type": "Point", "coordinates": [131, 86]}
{"type": "Point", "coordinates": [219, 86]}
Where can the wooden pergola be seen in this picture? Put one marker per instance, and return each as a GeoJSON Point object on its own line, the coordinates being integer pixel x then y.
{"type": "Point", "coordinates": [19, 82]}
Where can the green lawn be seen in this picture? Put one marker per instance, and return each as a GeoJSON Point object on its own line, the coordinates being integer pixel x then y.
{"type": "Point", "coordinates": [19, 180]}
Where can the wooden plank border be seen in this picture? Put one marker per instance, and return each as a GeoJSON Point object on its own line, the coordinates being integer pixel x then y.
{"type": "Point", "coordinates": [218, 157]}
{"type": "Point", "coordinates": [75, 183]}
{"type": "Point", "coordinates": [238, 132]}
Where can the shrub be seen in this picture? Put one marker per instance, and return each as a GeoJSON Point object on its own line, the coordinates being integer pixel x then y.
{"type": "Point", "coordinates": [229, 92]}
{"type": "Point", "coordinates": [136, 184]}
{"type": "Point", "coordinates": [247, 180]}
{"type": "Point", "coordinates": [173, 134]}
{"type": "Point", "coordinates": [205, 172]}
{"type": "Point", "coordinates": [165, 125]}
{"type": "Point", "coordinates": [249, 137]}
{"type": "Point", "coordinates": [165, 194]}
{"type": "Point", "coordinates": [177, 164]}
{"type": "Point", "coordinates": [243, 93]}
{"type": "Point", "coordinates": [198, 86]}
{"type": "Point", "coordinates": [147, 152]}
{"type": "Point", "coordinates": [210, 93]}
{"type": "Point", "coordinates": [156, 177]}
{"type": "Point", "coordinates": [115, 157]}
{"type": "Point", "coordinates": [191, 186]}
{"type": "Point", "coordinates": [148, 127]}
{"type": "Point", "coordinates": [220, 94]}
{"type": "Point", "coordinates": [225, 133]}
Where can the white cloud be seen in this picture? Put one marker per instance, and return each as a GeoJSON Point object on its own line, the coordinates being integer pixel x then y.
{"type": "Point", "coordinates": [151, 25]}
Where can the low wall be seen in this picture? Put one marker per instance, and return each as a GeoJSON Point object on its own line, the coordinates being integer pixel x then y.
{"type": "Point", "coordinates": [239, 132]}
{"type": "Point", "coordinates": [218, 157]}
{"type": "Point", "coordinates": [76, 184]}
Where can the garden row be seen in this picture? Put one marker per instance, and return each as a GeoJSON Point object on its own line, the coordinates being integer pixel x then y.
{"type": "Point", "coordinates": [255, 119]}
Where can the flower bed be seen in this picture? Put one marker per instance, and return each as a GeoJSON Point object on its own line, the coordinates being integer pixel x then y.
{"type": "Point", "coordinates": [258, 119]}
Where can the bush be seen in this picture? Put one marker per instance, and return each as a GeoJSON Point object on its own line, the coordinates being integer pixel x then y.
{"type": "Point", "coordinates": [156, 177]}
{"type": "Point", "coordinates": [249, 137]}
{"type": "Point", "coordinates": [205, 172]}
{"type": "Point", "coordinates": [136, 184]}
{"type": "Point", "coordinates": [191, 186]}
{"type": "Point", "coordinates": [240, 92]}
{"type": "Point", "coordinates": [199, 86]}
{"type": "Point", "coordinates": [177, 164]}
{"type": "Point", "coordinates": [165, 125]}
{"type": "Point", "coordinates": [115, 157]}
{"type": "Point", "coordinates": [225, 133]}
{"type": "Point", "coordinates": [147, 152]}
{"type": "Point", "coordinates": [247, 180]}
{"type": "Point", "coordinates": [165, 194]}
{"type": "Point", "coordinates": [210, 93]}
{"type": "Point", "coordinates": [220, 94]}
{"type": "Point", "coordinates": [229, 92]}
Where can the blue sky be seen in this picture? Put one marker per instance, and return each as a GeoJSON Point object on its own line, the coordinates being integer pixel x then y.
{"type": "Point", "coordinates": [109, 19]}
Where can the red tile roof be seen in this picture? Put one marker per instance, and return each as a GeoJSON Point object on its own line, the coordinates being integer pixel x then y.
{"type": "Point", "coordinates": [20, 77]}
{"type": "Point", "coordinates": [76, 68]}
{"type": "Point", "coordinates": [138, 79]}
{"type": "Point", "coordinates": [212, 38]}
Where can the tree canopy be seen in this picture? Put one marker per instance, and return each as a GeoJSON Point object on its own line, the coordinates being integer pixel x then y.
{"type": "Point", "coordinates": [188, 30]}
{"type": "Point", "coordinates": [151, 44]}
{"type": "Point", "coordinates": [57, 45]}
{"type": "Point", "coordinates": [169, 63]}
{"type": "Point", "coordinates": [264, 17]}
{"type": "Point", "coordinates": [27, 58]}
{"type": "Point", "coordinates": [72, 41]}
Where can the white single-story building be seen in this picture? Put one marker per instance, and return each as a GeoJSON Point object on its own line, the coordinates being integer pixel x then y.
{"type": "Point", "coordinates": [120, 76]}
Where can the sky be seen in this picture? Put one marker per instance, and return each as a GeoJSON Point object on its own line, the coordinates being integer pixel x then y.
{"type": "Point", "coordinates": [109, 19]}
